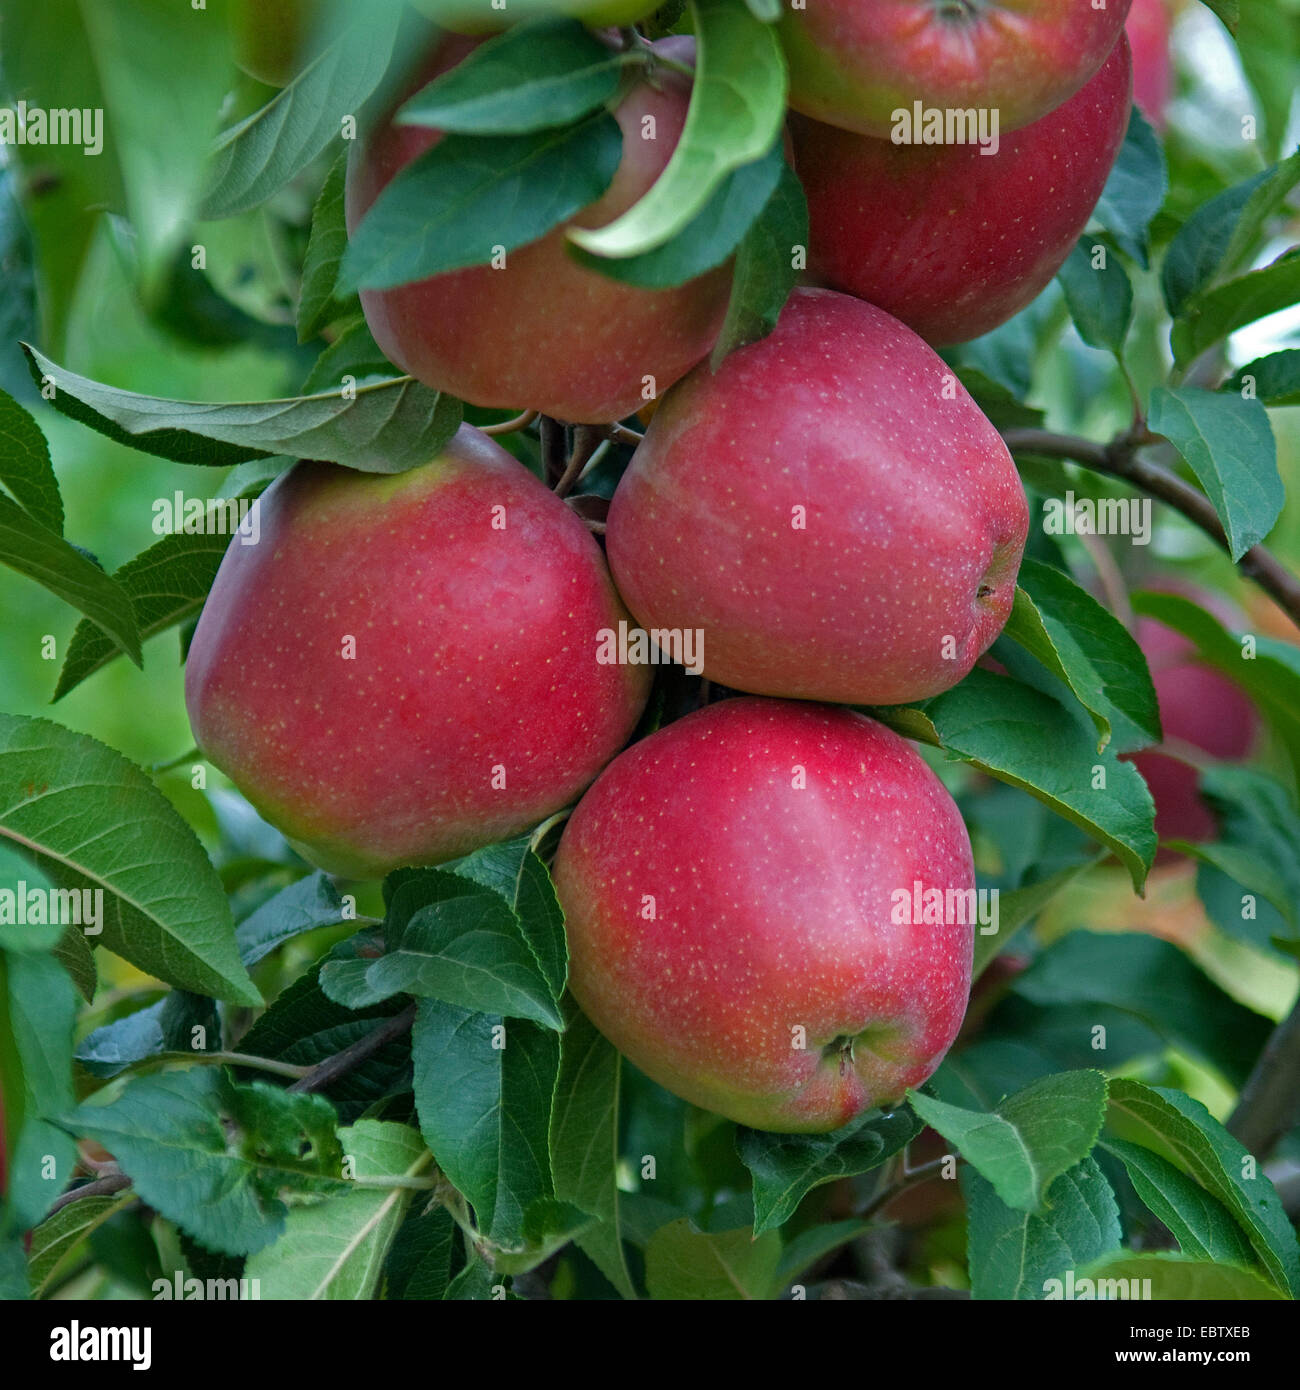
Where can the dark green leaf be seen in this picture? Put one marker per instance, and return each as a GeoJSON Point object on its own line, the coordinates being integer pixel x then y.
{"type": "Point", "coordinates": [471, 197]}
{"type": "Point", "coordinates": [422, 1259]}
{"type": "Point", "coordinates": [786, 1167]}
{"type": "Point", "coordinates": [1274, 379]}
{"type": "Point", "coordinates": [25, 467]}
{"type": "Point", "coordinates": [1220, 312]}
{"type": "Point", "coordinates": [167, 1026]}
{"type": "Point", "coordinates": [317, 305]}
{"type": "Point", "coordinates": [1135, 189]}
{"type": "Point", "coordinates": [301, 907]}
{"type": "Point", "coordinates": [682, 1263]}
{"type": "Point", "coordinates": [58, 1236]}
{"type": "Point", "coordinates": [535, 76]}
{"type": "Point", "coordinates": [1099, 295]}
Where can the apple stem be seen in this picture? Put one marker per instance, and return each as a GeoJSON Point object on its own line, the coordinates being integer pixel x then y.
{"type": "Point", "coordinates": [1269, 1105]}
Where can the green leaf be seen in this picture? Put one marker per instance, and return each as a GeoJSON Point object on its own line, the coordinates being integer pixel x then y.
{"type": "Point", "coordinates": [1099, 296]}
{"type": "Point", "coordinates": [469, 196]}
{"type": "Point", "coordinates": [737, 107]}
{"type": "Point", "coordinates": [548, 1226]}
{"type": "Point", "coordinates": [1201, 1224]}
{"type": "Point", "coordinates": [1025, 738]}
{"type": "Point", "coordinates": [92, 820]}
{"type": "Point", "coordinates": [165, 586]}
{"type": "Point", "coordinates": [304, 1026]}
{"type": "Point", "coordinates": [535, 76]}
{"type": "Point", "coordinates": [584, 1143]}
{"type": "Point", "coordinates": [58, 1236]}
{"type": "Point", "coordinates": [1268, 44]}
{"type": "Point", "coordinates": [422, 1259]}
{"type": "Point", "coordinates": [1020, 906]}
{"type": "Point", "coordinates": [25, 467]}
{"type": "Point", "coordinates": [43, 555]}
{"type": "Point", "coordinates": [256, 158]}
{"type": "Point", "coordinates": [1274, 379]}
{"type": "Point", "coordinates": [483, 1092]}
{"type": "Point", "coordinates": [301, 907]}
{"type": "Point", "coordinates": [765, 272]}
{"type": "Point", "coordinates": [1134, 190]}
{"type": "Point", "coordinates": [386, 428]}
{"type": "Point", "coordinates": [180, 58]}
{"type": "Point", "coordinates": [513, 870]}
{"type": "Point", "coordinates": [336, 1249]}
{"type": "Point", "coordinates": [1220, 312]}
{"type": "Point", "coordinates": [1030, 1138]}
{"type": "Point", "coordinates": [1228, 444]}
{"type": "Point", "coordinates": [38, 1011]}
{"type": "Point", "coordinates": [1216, 238]}
{"type": "Point", "coordinates": [458, 943]}
{"type": "Point", "coordinates": [1228, 11]}
{"type": "Point", "coordinates": [216, 1157]}
{"type": "Point", "coordinates": [684, 1263]}
{"type": "Point", "coordinates": [354, 353]}
{"type": "Point", "coordinates": [786, 1167]}
{"type": "Point", "coordinates": [1153, 980]}
{"type": "Point", "coordinates": [811, 1245]}
{"type": "Point", "coordinates": [1184, 1132]}
{"type": "Point", "coordinates": [1087, 647]}
{"type": "Point", "coordinates": [317, 305]}
{"type": "Point", "coordinates": [1176, 1277]}
{"type": "Point", "coordinates": [709, 238]}
{"type": "Point", "coordinates": [1014, 1254]}
{"type": "Point", "coordinates": [166, 1026]}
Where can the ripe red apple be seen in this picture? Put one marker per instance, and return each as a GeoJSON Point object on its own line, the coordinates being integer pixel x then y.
{"type": "Point", "coordinates": [830, 509]}
{"type": "Point", "coordinates": [1153, 76]}
{"type": "Point", "coordinates": [474, 704]}
{"type": "Point", "coordinates": [855, 63]}
{"type": "Point", "coordinates": [1201, 709]}
{"type": "Point", "coordinates": [949, 239]}
{"type": "Point", "coordinates": [738, 892]}
{"type": "Point", "coordinates": [545, 332]}
{"type": "Point", "coordinates": [269, 36]}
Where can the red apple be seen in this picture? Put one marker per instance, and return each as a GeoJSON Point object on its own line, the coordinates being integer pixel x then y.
{"type": "Point", "coordinates": [544, 332]}
{"type": "Point", "coordinates": [1153, 75]}
{"type": "Point", "coordinates": [855, 63]}
{"type": "Point", "coordinates": [474, 705]}
{"type": "Point", "coordinates": [738, 893]}
{"type": "Point", "coordinates": [830, 509]}
{"type": "Point", "coordinates": [949, 239]}
{"type": "Point", "coordinates": [1201, 709]}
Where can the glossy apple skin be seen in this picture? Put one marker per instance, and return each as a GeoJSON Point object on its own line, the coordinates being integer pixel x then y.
{"type": "Point", "coordinates": [268, 36]}
{"type": "Point", "coordinates": [772, 911]}
{"type": "Point", "coordinates": [854, 62]}
{"type": "Point", "coordinates": [1199, 707]}
{"type": "Point", "coordinates": [950, 240]}
{"type": "Point", "coordinates": [913, 509]}
{"type": "Point", "coordinates": [475, 649]}
{"type": "Point", "coordinates": [545, 333]}
{"type": "Point", "coordinates": [1148, 31]}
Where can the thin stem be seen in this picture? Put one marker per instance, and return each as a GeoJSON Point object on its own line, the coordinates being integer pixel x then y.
{"type": "Point", "coordinates": [520, 422]}
{"type": "Point", "coordinates": [193, 756]}
{"type": "Point", "coordinates": [1119, 460]}
{"type": "Point", "coordinates": [586, 441]}
{"type": "Point", "coordinates": [319, 1077]}
{"type": "Point", "coordinates": [620, 434]}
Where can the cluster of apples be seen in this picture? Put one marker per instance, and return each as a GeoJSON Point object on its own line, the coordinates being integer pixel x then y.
{"type": "Point", "coordinates": [407, 668]}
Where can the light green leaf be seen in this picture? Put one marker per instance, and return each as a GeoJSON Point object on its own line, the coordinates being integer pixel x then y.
{"type": "Point", "coordinates": [1220, 312]}
{"type": "Point", "coordinates": [92, 820]}
{"type": "Point", "coordinates": [317, 305]}
{"type": "Point", "coordinates": [1178, 1277]}
{"type": "Point", "coordinates": [385, 428]}
{"type": "Point", "coordinates": [335, 1249]}
{"type": "Point", "coordinates": [684, 1263]}
{"type": "Point", "coordinates": [58, 1236]}
{"type": "Point", "coordinates": [1030, 1138]}
{"type": "Point", "coordinates": [1228, 444]}
{"type": "Point", "coordinates": [737, 107]}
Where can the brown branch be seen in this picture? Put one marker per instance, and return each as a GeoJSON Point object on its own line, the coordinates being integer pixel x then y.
{"type": "Point", "coordinates": [329, 1071]}
{"type": "Point", "coordinates": [1269, 1104]}
{"type": "Point", "coordinates": [586, 440]}
{"type": "Point", "coordinates": [101, 1187]}
{"type": "Point", "coordinates": [520, 422]}
{"type": "Point", "coordinates": [1119, 459]}
{"type": "Point", "coordinates": [551, 433]}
